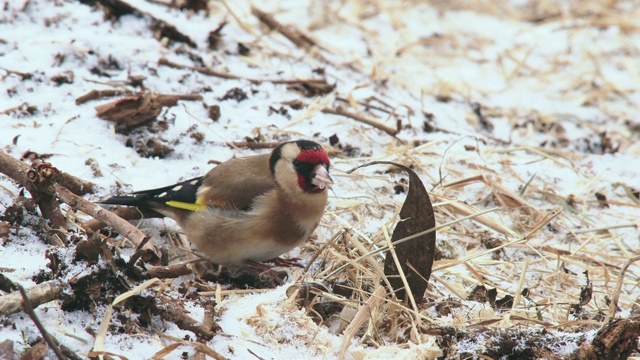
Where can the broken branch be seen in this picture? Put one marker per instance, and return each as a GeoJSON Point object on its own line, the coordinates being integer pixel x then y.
{"type": "Point", "coordinates": [139, 108]}
{"type": "Point", "coordinates": [17, 171]}
{"type": "Point", "coordinates": [122, 226]}
{"type": "Point", "coordinates": [320, 84]}
{"type": "Point", "coordinates": [117, 8]}
{"type": "Point", "coordinates": [126, 213]}
{"type": "Point", "coordinates": [253, 145]}
{"type": "Point", "coordinates": [28, 309]}
{"type": "Point", "coordinates": [98, 94]}
{"type": "Point", "coordinates": [294, 35]}
{"type": "Point", "coordinates": [38, 295]}
{"type": "Point", "coordinates": [342, 112]}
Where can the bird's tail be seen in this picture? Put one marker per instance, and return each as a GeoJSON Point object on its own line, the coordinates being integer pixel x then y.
{"type": "Point", "coordinates": [181, 193]}
{"type": "Point", "coordinates": [126, 200]}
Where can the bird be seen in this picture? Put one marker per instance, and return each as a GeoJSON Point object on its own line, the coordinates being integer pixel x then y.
{"type": "Point", "coordinates": [247, 210]}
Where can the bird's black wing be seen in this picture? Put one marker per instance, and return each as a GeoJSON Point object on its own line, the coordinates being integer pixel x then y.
{"type": "Point", "coordinates": [183, 195]}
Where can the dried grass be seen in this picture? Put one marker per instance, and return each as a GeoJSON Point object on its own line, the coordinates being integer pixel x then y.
{"type": "Point", "coordinates": [542, 246]}
{"type": "Point", "coordinates": [522, 235]}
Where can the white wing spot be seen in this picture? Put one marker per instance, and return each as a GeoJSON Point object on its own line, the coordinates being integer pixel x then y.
{"type": "Point", "coordinates": [177, 188]}
{"type": "Point", "coordinates": [203, 190]}
{"type": "Point", "coordinates": [194, 182]}
{"type": "Point", "coordinates": [162, 195]}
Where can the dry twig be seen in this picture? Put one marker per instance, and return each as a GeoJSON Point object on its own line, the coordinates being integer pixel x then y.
{"type": "Point", "coordinates": [342, 112]}
{"type": "Point", "coordinates": [122, 226]}
{"type": "Point", "coordinates": [320, 85]}
{"type": "Point", "coordinates": [294, 35]}
{"type": "Point", "coordinates": [171, 311]}
{"type": "Point", "coordinates": [28, 309]}
{"type": "Point", "coordinates": [22, 108]}
{"type": "Point", "coordinates": [139, 108]}
{"type": "Point", "coordinates": [99, 94]}
{"type": "Point", "coordinates": [17, 171]}
{"type": "Point", "coordinates": [364, 314]}
{"type": "Point", "coordinates": [170, 271]}
{"type": "Point", "coordinates": [254, 145]}
{"type": "Point", "coordinates": [38, 295]}
{"type": "Point", "coordinates": [117, 8]}
{"type": "Point", "coordinates": [124, 212]}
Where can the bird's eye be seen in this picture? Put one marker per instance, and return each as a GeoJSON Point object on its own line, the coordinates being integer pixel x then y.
{"type": "Point", "coordinates": [302, 167]}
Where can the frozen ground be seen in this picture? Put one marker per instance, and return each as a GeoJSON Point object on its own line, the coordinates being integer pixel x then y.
{"type": "Point", "coordinates": [540, 100]}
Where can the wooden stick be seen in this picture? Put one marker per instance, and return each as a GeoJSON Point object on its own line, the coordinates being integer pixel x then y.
{"type": "Point", "coordinates": [28, 309]}
{"type": "Point", "coordinates": [161, 27]}
{"type": "Point", "coordinates": [254, 145]}
{"type": "Point", "coordinates": [17, 170]}
{"type": "Point", "coordinates": [342, 112]}
{"type": "Point", "coordinates": [13, 168]}
{"type": "Point", "coordinates": [38, 295]}
{"type": "Point", "coordinates": [200, 69]}
{"type": "Point", "coordinates": [170, 271]}
{"type": "Point", "coordinates": [124, 212]}
{"type": "Point", "coordinates": [98, 94]}
{"type": "Point", "coordinates": [179, 316]}
{"type": "Point", "coordinates": [122, 226]}
{"type": "Point", "coordinates": [36, 180]}
{"type": "Point", "coordinates": [294, 35]}
{"type": "Point", "coordinates": [23, 108]}
{"type": "Point", "coordinates": [208, 71]}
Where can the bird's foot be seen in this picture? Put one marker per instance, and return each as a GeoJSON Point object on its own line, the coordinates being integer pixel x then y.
{"type": "Point", "coordinates": [285, 262]}
{"type": "Point", "coordinates": [265, 274]}
{"type": "Point", "coordinates": [251, 275]}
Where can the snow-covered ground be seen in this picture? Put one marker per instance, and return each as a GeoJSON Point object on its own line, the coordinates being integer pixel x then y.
{"type": "Point", "coordinates": [546, 110]}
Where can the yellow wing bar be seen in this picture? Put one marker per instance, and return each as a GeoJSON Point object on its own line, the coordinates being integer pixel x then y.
{"type": "Point", "coordinates": [185, 205]}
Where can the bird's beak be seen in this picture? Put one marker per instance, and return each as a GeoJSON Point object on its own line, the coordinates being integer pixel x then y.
{"type": "Point", "coordinates": [320, 177]}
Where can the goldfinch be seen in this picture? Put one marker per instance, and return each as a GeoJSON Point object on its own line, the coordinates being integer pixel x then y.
{"type": "Point", "coordinates": [249, 209]}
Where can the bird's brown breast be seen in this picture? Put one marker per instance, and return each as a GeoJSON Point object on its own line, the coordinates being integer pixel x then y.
{"type": "Point", "coordinates": [288, 221]}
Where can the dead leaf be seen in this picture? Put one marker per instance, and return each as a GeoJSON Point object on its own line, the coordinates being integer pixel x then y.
{"type": "Point", "coordinates": [6, 348]}
{"type": "Point", "coordinates": [37, 352]}
{"type": "Point", "coordinates": [5, 228]}
{"type": "Point", "coordinates": [312, 88]}
{"type": "Point", "coordinates": [140, 108]}
{"type": "Point", "coordinates": [89, 249]}
{"type": "Point", "coordinates": [152, 147]}
{"type": "Point", "coordinates": [132, 110]}
{"type": "Point", "coordinates": [65, 77]}
{"type": "Point", "coordinates": [418, 254]}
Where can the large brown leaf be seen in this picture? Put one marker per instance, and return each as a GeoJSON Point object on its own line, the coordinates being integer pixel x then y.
{"type": "Point", "coordinates": [417, 254]}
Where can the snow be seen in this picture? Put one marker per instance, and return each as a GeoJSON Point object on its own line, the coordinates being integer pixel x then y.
{"type": "Point", "coordinates": [569, 72]}
{"type": "Point", "coordinates": [261, 324]}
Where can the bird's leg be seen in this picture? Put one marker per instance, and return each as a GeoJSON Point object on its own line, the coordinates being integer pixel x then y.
{"type": "Point", "coordinates": [263, 272]}
{"type": "Point", "coordinates": [279, 261]}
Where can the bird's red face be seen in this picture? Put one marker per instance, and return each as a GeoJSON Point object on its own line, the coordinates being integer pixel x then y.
{"type": "Point", "coordinates": [312, 168]}
{"type": "Point", "coordinates": [301, 165]}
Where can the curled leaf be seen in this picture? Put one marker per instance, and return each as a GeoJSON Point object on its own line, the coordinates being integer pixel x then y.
{"type": "Point", "coordinates": [415, 256]}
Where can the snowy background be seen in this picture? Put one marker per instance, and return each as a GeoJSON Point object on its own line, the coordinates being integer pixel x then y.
{"type": "Point", "coordinates": [539, 98]}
